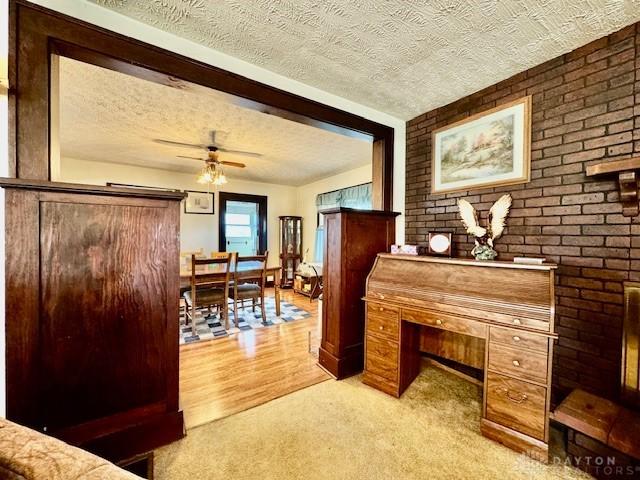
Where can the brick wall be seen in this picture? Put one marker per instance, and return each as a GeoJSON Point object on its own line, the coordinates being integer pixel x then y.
{"type": "Point", "coordinates": [586, 108]}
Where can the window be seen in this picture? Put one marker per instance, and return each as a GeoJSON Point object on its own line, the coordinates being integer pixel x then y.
{"type": "Point", "coordinates": [238, 225]}
{"type": "Point", "coordinates": [237, 219]}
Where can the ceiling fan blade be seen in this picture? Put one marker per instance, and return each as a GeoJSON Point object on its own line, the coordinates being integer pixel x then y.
{"type": "Point", "coordinates": [192, 158]}
{"type": "Point", "coordinates": [179, 144]}
{"type": "Point", "coordinates": [239, 152]}
{"type": "Point", "coordinates": [233, 164]}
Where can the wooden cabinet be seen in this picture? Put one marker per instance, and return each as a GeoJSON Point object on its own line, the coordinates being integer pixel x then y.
{"type": "Point", "coordinates": [92, 314]}
{"type": "Point", "coordinates": [353, 238]}
{"type": "Point", "coordinates": [409, 298]}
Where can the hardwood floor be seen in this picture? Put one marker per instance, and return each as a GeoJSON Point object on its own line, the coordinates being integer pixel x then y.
{"type": "Point", "coordinates": [226, 376]}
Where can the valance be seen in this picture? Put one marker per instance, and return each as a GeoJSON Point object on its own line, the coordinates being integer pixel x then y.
{"type": "Point", "coordinates": [358, 196]}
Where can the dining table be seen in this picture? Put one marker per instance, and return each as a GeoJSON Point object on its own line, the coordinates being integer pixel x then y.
{"type": "Point", "coordinates": [247, 272]}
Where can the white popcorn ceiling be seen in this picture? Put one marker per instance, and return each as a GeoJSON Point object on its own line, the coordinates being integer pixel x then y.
{"type": "Point", "coordinates": [112, 117]}
{"type": "Point", "coordinates": [402, 57]}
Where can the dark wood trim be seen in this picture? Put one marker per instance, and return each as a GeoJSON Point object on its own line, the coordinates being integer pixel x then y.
{"type": "Point", "coordinates": [382, 179]}
{"type": "Point", "coordinates": [261, 200]}
{"type": "Point", "coordinates": [12, 80]}
{"type": "Point", "coordinates": [375, 213]}
{"type": "Point", "coordinates": [36, 32]}
{"type": "Point", "coordinates": [144, 436]}
{"type": "Point", "coordinates": [45, 186]}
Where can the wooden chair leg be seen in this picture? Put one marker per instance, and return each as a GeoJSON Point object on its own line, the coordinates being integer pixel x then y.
{"type": "Point", "coordinates": [192, 316]}
{"type": "Point", "coordinates": [253, 305]}
{"type": "Point", "coordinates": [235, 312]}
{"type": "Point", "coordinates": [262, 308]}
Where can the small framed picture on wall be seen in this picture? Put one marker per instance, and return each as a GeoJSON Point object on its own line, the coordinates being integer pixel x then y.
{"type": "Point", "coordinates": [199, 202]}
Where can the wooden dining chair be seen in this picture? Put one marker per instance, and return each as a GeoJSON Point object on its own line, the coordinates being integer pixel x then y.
{"type": "Point", "coordinates": [185, 262]}
{"type": "Point", "coordinates": [209, 288]}
{"type": "Point", "coordinates": [249, 284]}
{"type": "Point", "coordinates": [185, 256]}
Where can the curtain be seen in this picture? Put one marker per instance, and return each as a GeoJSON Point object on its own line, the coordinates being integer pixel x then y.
{"type": "Point", "coordinates": [358, 197]}
{"type": "Point", "coordinates": [319, 253]}
{"type": "Point", "coordinates": [351, 197]}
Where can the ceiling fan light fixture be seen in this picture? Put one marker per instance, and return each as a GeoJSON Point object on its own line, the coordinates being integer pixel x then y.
{"type": "Point", "coordinates": [206, 175]}
{"type": "Point", "coordinates": [211, 174]}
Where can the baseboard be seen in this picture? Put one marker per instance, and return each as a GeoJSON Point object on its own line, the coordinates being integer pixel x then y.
{"type": "Point", "coordinates": [139, 438]}
{"type": "Point", "coordinates": [517, 441]}
{"type": "Point", "coordinates": [341, 367]}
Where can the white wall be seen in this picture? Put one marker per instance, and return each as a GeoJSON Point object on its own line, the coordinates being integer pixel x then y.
{"type": "Point", "coordinates": [196, 231]}
{"type": "Point", "coordinates": [307, 200]}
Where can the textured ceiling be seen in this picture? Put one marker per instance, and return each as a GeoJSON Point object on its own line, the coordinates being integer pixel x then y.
{"type": "Point", "coordinates": [402, 57]}
{"type": "Point", "coordinates": [111, 117]}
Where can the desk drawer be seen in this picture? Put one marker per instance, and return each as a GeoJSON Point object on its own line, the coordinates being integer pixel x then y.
{"type": "Point", "coordinates": [517, 405]}
{"type": "Point", "coordinates": [383, 320]}
{"type": "Point", "coordinates": [519, 339]}
{"type": "Point", "coordinates": [381, 357]}
{"type": "Point", "coordinates": [446, 322]}
{"type": "Point", "coordinates": [515, 321]}
{"type": "Point", "coordinates": [518, 362]}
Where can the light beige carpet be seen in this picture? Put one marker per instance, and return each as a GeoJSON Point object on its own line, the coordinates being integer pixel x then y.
{"type": "Point", "coordinates": [346, 430]}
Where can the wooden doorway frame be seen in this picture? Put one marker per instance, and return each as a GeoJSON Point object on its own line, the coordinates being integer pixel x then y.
{"type": "Point", "coordinates": [35, 33]}
{"type": "Point", "coordinates": [261, 200]}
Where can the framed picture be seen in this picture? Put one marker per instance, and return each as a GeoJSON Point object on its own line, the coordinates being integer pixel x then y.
{"type": "Point", "coordinates": [199, 202]}
{"type": "Point", "coordinates": [489, 149]}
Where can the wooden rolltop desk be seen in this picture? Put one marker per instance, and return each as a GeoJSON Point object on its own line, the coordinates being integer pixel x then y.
{"type": "Point", "coordinates": [507, 308]}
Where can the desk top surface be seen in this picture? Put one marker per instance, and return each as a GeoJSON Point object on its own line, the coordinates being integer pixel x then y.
{"type": "Point", "coordinates": [470, 262]}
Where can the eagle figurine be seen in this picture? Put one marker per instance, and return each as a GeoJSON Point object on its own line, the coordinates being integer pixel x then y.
{"type": "Point", "coordinates": [484, 237]}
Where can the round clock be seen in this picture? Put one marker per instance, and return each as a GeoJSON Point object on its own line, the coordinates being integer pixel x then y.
{"type": "Point", "coordinates": [440, 243]}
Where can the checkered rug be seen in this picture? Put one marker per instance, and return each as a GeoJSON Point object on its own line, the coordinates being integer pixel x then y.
{"type": "Point", "coordinates": [208, 327]}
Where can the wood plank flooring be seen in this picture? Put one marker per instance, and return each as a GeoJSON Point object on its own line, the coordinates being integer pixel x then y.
{"type": "Point", "coordinates": [228, 375]}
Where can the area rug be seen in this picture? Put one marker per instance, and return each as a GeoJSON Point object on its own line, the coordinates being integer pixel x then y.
{"type": "Point", "coordinates": [346, 430]}
{"type": "Point", "coordinates": [210, 326]}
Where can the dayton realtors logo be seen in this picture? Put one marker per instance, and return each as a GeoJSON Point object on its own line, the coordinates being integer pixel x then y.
{"type": "Point", "coordinates": [597, 465]}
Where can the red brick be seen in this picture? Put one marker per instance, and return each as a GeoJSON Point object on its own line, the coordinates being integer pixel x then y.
{"type": "Point", "coordinates": [587, 241]}
{"type": "Point", "coordinates": [566, 210]}
{"type": "Point", "coordinates": [583, 198]}
{"type": "Point", "coordinates": [611, 117]}
{"type": "Point", "coordinates": [585, 113]}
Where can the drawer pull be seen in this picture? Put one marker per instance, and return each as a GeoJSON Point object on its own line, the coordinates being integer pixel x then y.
{"type": "Point", "coordinates": [516, 321]}
{"type": "Point", "coordinates": [516, 363]}
{"type": "Point", "coordinates": [517, 398]}
{"type": "Point", "coordinates": [382, 309]}
{"type": "Point", "coordinates": [381, 327]}
{"type": "Point", "coordinates": [382, 296]}
{"type": "Point", "coordinates": [439, 322]}
{"type": "Point", "coordinates": [516, 338]}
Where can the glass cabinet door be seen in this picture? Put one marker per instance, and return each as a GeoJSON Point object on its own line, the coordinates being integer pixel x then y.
{"type": "Point", "coordinates": [290, 248]}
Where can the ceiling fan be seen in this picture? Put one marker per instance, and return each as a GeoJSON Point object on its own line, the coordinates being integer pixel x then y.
{"type": "Point", "coordinates": [212, 171]}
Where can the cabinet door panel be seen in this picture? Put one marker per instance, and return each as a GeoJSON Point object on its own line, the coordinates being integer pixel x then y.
{"type": "Point", "coordinates": [103, 309]}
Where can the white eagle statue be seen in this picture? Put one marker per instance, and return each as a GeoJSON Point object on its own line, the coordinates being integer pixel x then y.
{"type": "Point", "coordinates": [484, 237]}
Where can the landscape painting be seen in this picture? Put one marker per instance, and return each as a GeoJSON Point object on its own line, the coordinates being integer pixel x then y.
{"type": "Point", "coordinates": [486, 150]}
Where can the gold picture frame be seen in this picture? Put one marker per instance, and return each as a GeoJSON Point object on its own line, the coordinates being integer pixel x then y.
{"type": "Point", "coordinates": [488, 149]}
